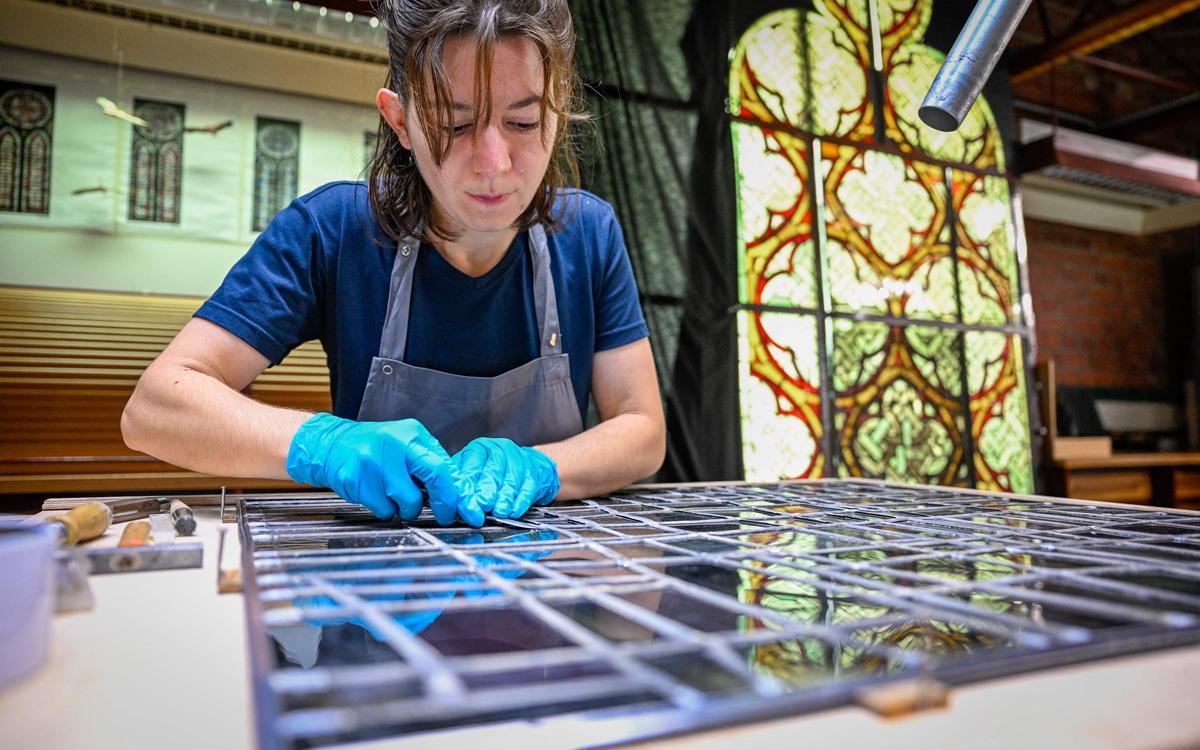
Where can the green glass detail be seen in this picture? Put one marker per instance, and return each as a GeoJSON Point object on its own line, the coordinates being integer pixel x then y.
{"type": "Point", "coordinates": [999, 412]}
{"type": "Point", "coordinates": [898, 402]}
{"type": "Point", "coordinates": [798, 596]}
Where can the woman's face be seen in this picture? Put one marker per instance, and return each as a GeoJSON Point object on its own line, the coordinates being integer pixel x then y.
{"type": "Point", "coordinates": [489, 177]}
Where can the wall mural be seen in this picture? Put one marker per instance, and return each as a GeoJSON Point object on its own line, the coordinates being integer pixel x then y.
{"type": "Point", "coordinates": [26, 137]}
{"type": "Point", "coordinates": [882, 333]}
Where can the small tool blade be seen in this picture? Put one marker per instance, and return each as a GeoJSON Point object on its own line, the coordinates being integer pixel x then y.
{"type": "Point", "coordinates": [150, 557]}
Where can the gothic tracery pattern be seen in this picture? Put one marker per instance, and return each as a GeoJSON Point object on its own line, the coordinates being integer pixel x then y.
{"type": "Point", "coordinates": [156, 164]}
{"type": "Point", "coordinates": [276, 168]}
{"type": "Point", "coordinates": [26, 131]}
{"type": "Point", "coordinates": [882, 333]}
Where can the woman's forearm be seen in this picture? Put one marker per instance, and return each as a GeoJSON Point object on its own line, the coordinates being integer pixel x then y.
{"type": "Point", "coordinates": [609, 456]}
{"type": "Point", "coordinates": [193, 420]}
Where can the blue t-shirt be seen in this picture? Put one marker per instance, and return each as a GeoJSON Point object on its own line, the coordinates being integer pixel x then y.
{"type": "Point", "coordinates": [321, 270]}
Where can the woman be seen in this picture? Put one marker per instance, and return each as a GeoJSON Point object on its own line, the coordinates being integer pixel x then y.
{"type": "Point", "coordinates": [467, 300]}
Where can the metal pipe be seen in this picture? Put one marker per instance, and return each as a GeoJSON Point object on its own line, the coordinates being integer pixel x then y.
{"type": "Point", "coordinates": [970, 62]}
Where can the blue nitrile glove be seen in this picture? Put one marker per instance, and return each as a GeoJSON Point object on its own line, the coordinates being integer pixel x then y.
{"type": "Point", "coordinates": [374, 464]}
{"type": "Point", "coordinates": [505, 478]}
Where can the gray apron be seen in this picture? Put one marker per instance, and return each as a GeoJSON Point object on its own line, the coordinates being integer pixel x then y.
{"type": "Point", "coordinates": [530, 405]}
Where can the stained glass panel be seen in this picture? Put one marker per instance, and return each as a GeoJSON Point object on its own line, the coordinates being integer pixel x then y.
{"type": "Point", "coordinates": [654, 610]}
{"type": "Point", "coordinates": [911, 265]}
{"type": "Point", "coordinates": [26, 139]}
{"type": "Point", "coordinates": [899, 409]}
{"type": "Point", "coordinates": [156, 163]}
{"type": "Point", "coordinates": [276, 168]}
{"type": "Point", "coordinates": [780, 387]}
{"type": "Point", "coordinates": [999, 412]}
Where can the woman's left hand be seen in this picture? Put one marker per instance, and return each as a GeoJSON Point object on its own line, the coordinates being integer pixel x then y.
{"type": "Point", "coordinates": [505, 478]}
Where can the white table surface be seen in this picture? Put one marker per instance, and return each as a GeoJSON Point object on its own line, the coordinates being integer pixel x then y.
{"type": "Point", "coordinates": [162, 661]}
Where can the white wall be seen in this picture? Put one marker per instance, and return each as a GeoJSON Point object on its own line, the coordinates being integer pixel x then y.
{"type": "Point", "coordinates": [87, 241]}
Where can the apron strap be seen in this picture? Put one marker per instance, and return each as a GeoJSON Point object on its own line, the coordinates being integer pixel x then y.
{"type": "Point", "coordinates": [394, 339]}
{"type": "Point", "coordinates": [545, 302]}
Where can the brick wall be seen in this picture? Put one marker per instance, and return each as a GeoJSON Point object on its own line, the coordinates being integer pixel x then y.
{"type": "Point", "coordinates": [1100, 302]}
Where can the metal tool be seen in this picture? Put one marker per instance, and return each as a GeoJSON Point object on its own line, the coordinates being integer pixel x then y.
{"type": "Point", "coordinates": [970, 62]}
{"type": "Point", "coordinates": [136, 508]}
{"type": "Point", "coordinates": [106, 560]}
{"type": "Point", "coordinates": [181, 516]}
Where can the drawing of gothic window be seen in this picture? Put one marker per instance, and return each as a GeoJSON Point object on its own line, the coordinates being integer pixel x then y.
{"type": "Point", "coordinates": [276, 168]}
{"type": "Point", "coordinates": [26, 132]}
{"type": "Point", "coordinates": [881, 332]}
{"type": "Point", "coordinates": [156, 173]}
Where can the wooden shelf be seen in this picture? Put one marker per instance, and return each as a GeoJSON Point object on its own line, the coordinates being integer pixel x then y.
{"type": "Point", "coordinates": [1131, 460]}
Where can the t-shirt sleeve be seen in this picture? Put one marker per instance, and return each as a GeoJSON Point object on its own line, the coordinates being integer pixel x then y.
{"type": "Point", "coordinates": [270, 298]}
{"type": "Point", "coordinates": [619, 318]}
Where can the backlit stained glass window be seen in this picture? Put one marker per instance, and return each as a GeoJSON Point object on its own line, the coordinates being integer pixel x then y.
{"type": "Point", "coordinates": [26, 129]}
{"type": "Point", "coordinates": [156, 172]}
{"type": "Point", "coordinates": [881, 330]}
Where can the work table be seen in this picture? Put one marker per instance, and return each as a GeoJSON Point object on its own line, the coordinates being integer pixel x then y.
{"type": "Point", "coordinates": [162, 660]}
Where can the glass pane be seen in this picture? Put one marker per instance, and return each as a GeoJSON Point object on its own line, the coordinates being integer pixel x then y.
{"type": "Point", "coordinates": [776, 264]}
{"type": "Point", "coordinates": [888, 242]}
{"type": "Point", "coordinates": [780, 397]}
{"type": "Point", "coordinates": [999, 412]}
{"type": "Point", "coordinates": [987, 252]}
{"type": "Point", "coordinates": [898, 402]}
{"type": "Point", "coordinates": [788, 54]}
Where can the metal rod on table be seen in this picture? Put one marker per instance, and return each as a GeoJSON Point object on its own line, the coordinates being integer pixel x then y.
{"type": "Point", "coordinates": [970, 62]}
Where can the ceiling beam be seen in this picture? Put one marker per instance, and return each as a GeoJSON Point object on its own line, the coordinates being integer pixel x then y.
{"type": "Point", "coordinates": [1130, 71]}
{"type": "Point", "coordinates": [1104, 33]}
{"type": "Point", "coordinates": [1183, 110]}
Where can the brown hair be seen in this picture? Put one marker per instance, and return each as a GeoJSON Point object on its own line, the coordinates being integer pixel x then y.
{"type": "Point", "coordinates": [417, 31]}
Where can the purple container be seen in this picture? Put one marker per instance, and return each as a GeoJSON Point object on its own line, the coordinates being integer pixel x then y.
{"type": "Point", "coordinates": [26, 599]}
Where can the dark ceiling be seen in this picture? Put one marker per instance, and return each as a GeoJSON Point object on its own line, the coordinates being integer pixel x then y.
{"type": "Point", "coordinates": [1127, 69]}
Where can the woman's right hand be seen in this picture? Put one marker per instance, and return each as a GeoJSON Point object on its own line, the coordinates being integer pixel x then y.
{"type": "Point", "coordinates": [375, 464]}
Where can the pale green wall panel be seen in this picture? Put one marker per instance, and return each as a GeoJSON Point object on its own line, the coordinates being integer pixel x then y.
{"type": "Point", "coordinates": [83, 260]}
{"type": "Point", "coordinates": [87, 241]}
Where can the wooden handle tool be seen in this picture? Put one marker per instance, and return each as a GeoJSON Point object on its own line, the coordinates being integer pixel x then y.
{"type": "Point", "coordinates": [136, 534]}
{"type": "Point", "coordinates": [83, 523]}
